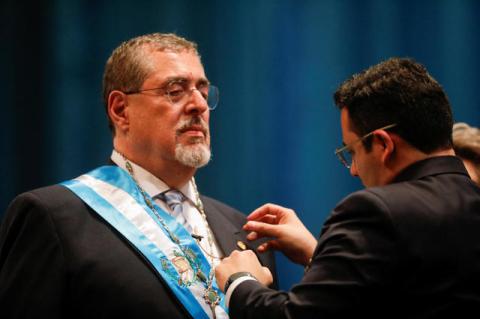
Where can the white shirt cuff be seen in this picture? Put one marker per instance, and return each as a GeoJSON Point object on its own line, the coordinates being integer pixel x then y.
{"type": "Point", "coordinates": [234, 285]}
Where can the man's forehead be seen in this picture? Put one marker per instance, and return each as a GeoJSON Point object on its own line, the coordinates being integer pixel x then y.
{"type": "Point", "coordinates": [158, 47]}
{"type": "Point", "coordinates": [346, 125]}
{"type": "Point", "coordinates": [174, 56]}
{"type": "Point", "coordinates": [169, 66]}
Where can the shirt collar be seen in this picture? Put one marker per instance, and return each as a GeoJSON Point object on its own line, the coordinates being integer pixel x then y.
{"type": "Point", "coordinates": [434, 165]}
{"type": "Point", "coordinates": [149, 182]}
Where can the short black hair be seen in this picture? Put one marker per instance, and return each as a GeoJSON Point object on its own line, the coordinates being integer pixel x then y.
{"type": "Point", "coordinates": [401, 91]}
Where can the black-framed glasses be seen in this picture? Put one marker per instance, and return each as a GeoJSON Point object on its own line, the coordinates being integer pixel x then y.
{"type": "Point", "coordinates": [178, 92]}
{"type": "Point", "coordinates": [344, 153]}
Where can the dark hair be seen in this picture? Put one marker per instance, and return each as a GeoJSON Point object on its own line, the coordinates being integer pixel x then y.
{"type": "Point", "coordinates": [399, 91]}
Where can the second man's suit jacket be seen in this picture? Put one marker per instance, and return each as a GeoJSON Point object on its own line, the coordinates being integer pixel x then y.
{"type": "Point", "coordinates": [410, 249]}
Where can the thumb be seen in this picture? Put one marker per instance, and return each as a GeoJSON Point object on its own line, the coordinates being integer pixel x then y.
{"type": "Point", "coordinates": [267, 277]}
{"type": "Point", "coordinates": [269, 245]}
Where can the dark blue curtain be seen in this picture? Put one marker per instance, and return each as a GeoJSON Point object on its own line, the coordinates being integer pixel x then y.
{"type": "Point", "coordinates": [276, 62]}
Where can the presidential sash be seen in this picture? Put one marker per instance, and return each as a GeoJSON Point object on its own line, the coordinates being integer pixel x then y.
{"type": "Point", "coordinates": [113, 194]}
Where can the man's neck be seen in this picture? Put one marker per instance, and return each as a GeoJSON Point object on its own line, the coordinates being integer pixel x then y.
{"type": "Point", "coordinates": [174, 177]}
{"type": "Point", "coordinates": [173, 174]}
{"type": "Point", "coordinates": [413, 155]}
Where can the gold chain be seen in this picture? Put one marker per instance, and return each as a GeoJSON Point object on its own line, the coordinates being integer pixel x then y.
{"type": "Point", "coordinates": [210, 296]}
{"type": "Point", "coordinates": [149, 203]}
{"type": "Point", "coordinates": [199, 206]}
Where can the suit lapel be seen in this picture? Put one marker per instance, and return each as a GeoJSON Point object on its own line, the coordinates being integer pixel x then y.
{"type": "Point", "coordinates": [229, 233]}
{"type": "Point", "coordinates": [226, 233]}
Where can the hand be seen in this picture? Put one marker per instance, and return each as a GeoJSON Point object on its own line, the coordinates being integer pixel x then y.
{"type": "Point", "coordinates": [290, 236]}
{"type": "Point", "coordinates": [241, 261]}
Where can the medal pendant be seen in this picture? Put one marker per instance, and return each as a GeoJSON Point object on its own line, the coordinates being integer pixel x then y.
{"type": "Point", "coordinates": [211, 298]}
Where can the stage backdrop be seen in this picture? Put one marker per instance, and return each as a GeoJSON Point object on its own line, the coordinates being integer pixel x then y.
{"type": "Point", "coordinates": [276, 63]}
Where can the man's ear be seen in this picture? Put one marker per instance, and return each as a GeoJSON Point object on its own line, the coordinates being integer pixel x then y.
{"type": "Point", "coordinates": [117, 110]}
{"type": "Point", "coordinates": [387, 144]}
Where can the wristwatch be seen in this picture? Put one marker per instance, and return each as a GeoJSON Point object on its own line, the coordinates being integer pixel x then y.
{"type": "Point", "coordinates": [235, 276]}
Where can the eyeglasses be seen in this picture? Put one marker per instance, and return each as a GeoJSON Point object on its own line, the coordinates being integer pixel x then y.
{"type": "Point", "coordinates": [344, 153]}
{"type": "Point", "coordinates": [178, 92]}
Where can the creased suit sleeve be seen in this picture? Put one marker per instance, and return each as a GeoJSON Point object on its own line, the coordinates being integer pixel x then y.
{"type": "Point", "coordinates": [31, 262]}
{"type": "Point", "coordinates": [355, 256]}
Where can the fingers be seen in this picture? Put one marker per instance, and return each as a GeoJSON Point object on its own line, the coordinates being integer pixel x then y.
{"type": "Point", "coordinates": [242, 261]}
{"type": "Point", "coordinates": [262, 229]}
{"type": "Point", "coordinates": [263, 247]}
{"type": "Point", "coordinates": [252, 236]}
{"type": "Point", "coordinates": [267, 209]}
{"type": "Point", "coordinates": [258, 213]}
{"type": "Point", "coordinates": [269, 219]}
{"type": "Point", "coordinates": [267, 277]}
{"type": "Point", "coordinates": [269, 245]}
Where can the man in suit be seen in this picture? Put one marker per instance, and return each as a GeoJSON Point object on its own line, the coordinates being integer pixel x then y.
{"type": "Point", "coordinates": [407, 246]}
{"type": "Point", "coordinates": [133, 238]}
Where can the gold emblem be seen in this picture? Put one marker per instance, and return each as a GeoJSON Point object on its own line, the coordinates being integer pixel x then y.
{"type": "Point", "coordinates": [184, 269]}
{"type": "Point", "coordinates": [241, 245]}
{"type": "Point", "coordinates": [181, 264]}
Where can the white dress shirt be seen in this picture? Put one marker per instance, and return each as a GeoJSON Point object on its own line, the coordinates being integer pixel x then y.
{"type": "Point", "coordinates": [154, 186]}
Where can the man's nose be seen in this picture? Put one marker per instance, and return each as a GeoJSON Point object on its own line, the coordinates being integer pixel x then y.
{"type": "Point", "coordinates": [196, 102]}
{"type": "Point", "coordinates": [353, 169]}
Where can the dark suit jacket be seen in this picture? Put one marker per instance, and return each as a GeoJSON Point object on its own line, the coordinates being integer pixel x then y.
{"type": "Point", "coordinates": [59, 259]}
{"type": "Point", "coordinates": [410, 249]}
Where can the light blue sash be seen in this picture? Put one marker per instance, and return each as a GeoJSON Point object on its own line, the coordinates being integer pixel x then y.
{"type": "Point", "coordinates": [112, 193]}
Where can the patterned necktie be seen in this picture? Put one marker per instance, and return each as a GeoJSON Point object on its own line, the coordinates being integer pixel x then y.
{"type": "Point", "coordinates": [174, 200]}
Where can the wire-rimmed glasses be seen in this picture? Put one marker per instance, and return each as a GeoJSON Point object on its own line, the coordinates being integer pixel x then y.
{"type": "Point", "coordinates": [178, 92]}
{"type": "Point", "coordinates": [344, 153]}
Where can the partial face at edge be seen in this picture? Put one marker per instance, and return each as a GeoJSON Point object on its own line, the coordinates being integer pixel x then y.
{"type": "Point", "coordinates": [366, 165]}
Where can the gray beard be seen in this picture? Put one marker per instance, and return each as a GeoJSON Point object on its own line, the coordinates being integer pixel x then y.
{"type": "Point", "coordinates": [193, 155]}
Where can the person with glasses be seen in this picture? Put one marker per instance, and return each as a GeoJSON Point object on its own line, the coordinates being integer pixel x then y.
{"type": "Point", "coordinates": [134, 238]}
{"type": "Point", "coordinates": [406, 246]}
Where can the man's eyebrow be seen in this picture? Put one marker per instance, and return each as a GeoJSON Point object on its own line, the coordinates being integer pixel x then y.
{"type": "Point", "coordinates": [201, 81]}
{"type": "Point", "coordinates": [175, 79]}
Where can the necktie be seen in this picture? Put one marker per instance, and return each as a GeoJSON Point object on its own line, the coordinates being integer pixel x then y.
{"type": "Point", "coordinates": [174, 200]}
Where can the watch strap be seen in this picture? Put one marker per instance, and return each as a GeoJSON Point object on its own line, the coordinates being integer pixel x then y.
{"type": "Point", "coordinates": [236, 276]}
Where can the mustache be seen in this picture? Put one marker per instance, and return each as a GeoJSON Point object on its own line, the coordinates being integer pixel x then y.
{"type": "Point", "coordinates": [195, 122]}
